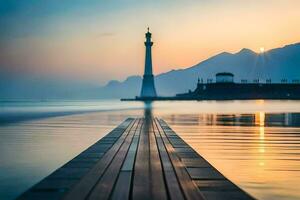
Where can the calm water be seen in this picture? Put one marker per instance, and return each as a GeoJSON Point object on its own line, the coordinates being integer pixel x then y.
{"type": "Point", "coordinates": [254, 143]}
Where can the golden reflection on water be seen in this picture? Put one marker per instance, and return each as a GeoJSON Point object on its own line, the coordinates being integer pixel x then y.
{"type": "Point", "coordinates": [260, 120]}
{"type": "Point", "coordinates": [259, 151]}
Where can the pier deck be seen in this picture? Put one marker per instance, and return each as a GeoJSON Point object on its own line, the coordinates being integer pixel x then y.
{"type": "Point", "coordinates": [142, 158]}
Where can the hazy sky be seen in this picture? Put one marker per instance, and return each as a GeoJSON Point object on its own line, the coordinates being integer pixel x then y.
{"type": "Point", "coordinates": [102, 40]}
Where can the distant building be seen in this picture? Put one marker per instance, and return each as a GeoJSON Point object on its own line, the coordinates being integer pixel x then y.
{"type": "Point", "coordinates": [225, 89]}
{"type": "Point", "coordinates": [224, 77]}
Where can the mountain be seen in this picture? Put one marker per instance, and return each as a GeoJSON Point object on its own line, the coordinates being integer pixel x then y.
{"type": "Point", "coordinates": [275, 64]}
{"type": "Point", "coordinates": [128, 88]}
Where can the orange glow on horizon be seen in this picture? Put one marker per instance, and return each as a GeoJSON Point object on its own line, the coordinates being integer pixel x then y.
{"type": "Point", "coordinates": [103, 44]}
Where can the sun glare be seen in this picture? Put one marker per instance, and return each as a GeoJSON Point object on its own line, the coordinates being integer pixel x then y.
{"type": "Point", "coordinates": [262, 49]}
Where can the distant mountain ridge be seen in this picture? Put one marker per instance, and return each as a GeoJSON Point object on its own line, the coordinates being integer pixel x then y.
{"type": "Point", "coordinates": [275, 64]}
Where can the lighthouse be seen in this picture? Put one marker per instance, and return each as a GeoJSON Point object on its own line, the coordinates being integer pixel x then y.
{"type": "Point", "coordinates": [148, 87]}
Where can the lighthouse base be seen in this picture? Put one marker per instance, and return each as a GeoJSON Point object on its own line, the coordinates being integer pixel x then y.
{"type": "Point", "coordinates": [148, 88]}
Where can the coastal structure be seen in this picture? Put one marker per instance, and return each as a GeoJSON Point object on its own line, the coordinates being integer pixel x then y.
{"type": "Point", "coordinates": [224, 88]}
{"type": "Point", "coordinates": [148, 87]}
{"type": "Point", "coordinates": [224, 77]}
{"type": "Point", "coordinates": [141, 159]}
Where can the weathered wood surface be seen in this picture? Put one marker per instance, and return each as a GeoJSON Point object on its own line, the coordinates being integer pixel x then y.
{"type": "Point", "coordinates": [140, 159]}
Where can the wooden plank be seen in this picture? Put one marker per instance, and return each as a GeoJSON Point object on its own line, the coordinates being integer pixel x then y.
{"type": "Point", "coordinates": [146, 174]}
{"type": "Point", "coordinates": [226, 195]}
{"type": "Point", "coordinates": [187, 155]}
{"type": "Point", "coordinates": [158, 187]}
{"type": "Point", "coordinates": [205, 173]}
{"type": "Point", "coordinates": [44, 195]}
{"type": "Point", "coordinates": [85, 155]}
{"type": "Point", "coordinates": [70, 172]}
{"type": "Point", "coordinates": [184, 150]}
{"type": "Point", "coordinates": [79, 164]}
{"type": "Point", "coordinates": [123, 185]}
{"type": "Point", "coordinates": [174, 189]}
{"type": "Point", "coordinates": [102, 190]}
{"type": "Point", "coordinates": [83, 188]}
{"type": "Point", "coordinates": [195, 162]}
{"type": "Point", "coordinates": [130, 157]}
{"type": "Point", "coordinates": [189, 188]}
{"type": "Point", "coordinates": [141, 182]}
{"type": "Point", "coordinates": [216, 185]}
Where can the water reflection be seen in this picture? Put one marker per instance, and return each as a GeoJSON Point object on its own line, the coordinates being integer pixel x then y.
{"type": "Point", "coordinates": [148, 116]}
{"type": "Point", "coordinates": [260, 151]}
{"type": "Point", "coordinates": [257, 119]}
{"type": "Point", "coordinates": [260, 121]}
{"type": "Point", "coordinates": [148, 109]}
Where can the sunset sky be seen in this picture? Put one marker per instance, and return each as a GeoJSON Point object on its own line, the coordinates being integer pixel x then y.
{"type": "Point", "coordinates": [103, 40]}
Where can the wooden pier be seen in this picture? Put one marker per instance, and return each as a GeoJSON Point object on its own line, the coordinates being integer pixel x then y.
{"type": "Point", "coordinates": [142, 158]}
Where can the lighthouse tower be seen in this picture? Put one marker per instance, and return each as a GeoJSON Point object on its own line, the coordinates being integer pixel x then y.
{"type": "Point", "coordinates": [148, 88]}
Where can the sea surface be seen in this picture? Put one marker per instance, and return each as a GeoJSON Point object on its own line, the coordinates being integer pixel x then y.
{"type": "Point", "coordinates": [256, 144]}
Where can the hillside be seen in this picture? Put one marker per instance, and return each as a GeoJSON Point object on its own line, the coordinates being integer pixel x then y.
{"type": "Point", "coordinates": [275, 64]}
